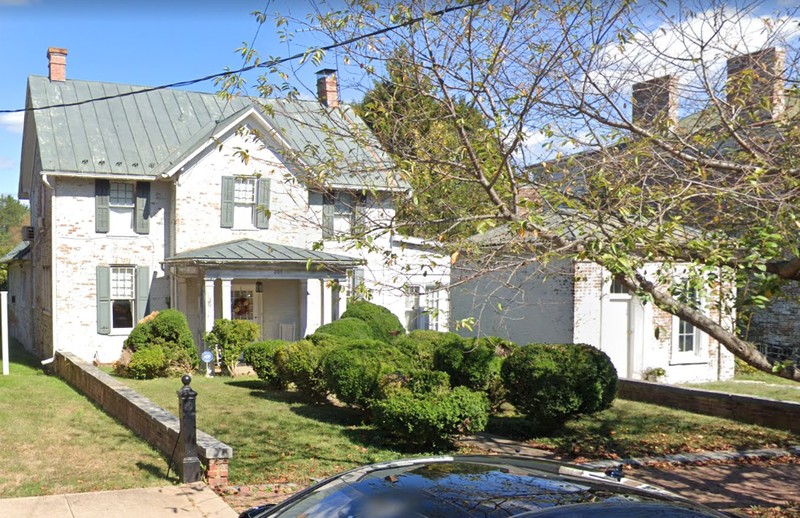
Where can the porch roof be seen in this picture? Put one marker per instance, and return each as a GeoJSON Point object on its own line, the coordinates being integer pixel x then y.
{"type": "Point", "coordinates": [18, 253]}
{"type": "Point", "coordinates": [250, 251]}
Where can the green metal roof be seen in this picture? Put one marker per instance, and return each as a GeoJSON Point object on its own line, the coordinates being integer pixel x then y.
{"type": "Point", "coordinates": [252, 251]}
{"type": "Point", "coordinates": [18, 253]}
{"type": "Point", "coordinates": [147, 133]}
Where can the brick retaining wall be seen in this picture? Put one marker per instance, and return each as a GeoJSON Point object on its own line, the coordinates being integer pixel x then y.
{"type": "Point", "coordinates": [148, 420]}
{"type": "Point", "coordinates": [747, 409]}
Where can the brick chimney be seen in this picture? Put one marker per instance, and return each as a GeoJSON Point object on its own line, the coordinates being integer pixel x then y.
{"type": "Point", "coordinates": [527, 193]}
{"type": "Point", "coordinates": [655, 103]}
{"type": "Point", "coordinates": [327, 88]}
{"type": "Point", "coordinates": [57, 58]}
{"type": "Point", "coordinates": [755, 85]}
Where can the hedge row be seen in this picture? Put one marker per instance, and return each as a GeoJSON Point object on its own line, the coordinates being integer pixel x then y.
{"type": "Point", "coordinates": [426, 386]}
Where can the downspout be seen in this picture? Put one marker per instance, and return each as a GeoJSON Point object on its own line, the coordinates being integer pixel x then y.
{"type": "Point", "coordinates": [53, 269]}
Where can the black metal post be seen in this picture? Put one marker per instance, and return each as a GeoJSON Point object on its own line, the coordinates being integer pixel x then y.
{"type": "Point", "coordinates": [189, 465]}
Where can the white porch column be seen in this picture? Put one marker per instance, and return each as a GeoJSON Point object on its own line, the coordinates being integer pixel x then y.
{"type": "Point", "coordinates": [208, 304]}
{"type": "Point", "coordinates": [327, 301]}
{"type": "Point", "coordinates": [314, 305]}
{"type": "Point", "coordinates": [226, 298]}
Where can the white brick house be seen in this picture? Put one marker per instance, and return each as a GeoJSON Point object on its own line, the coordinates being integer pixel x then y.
{"type": "Point", "coordinates": [144, 202]}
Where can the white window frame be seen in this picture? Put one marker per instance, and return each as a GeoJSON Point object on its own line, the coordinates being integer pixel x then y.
{"type": "Point", "coordinates": [119, 292]}
{"type": "Point", "coordinates": [121, 209]}
{"type": "Point", "coordinates": [240, 201]}
{"type": "Point", "coordinates": [700, 340]}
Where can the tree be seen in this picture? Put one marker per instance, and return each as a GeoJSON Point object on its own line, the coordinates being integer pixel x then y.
{"type": "Point", "coordinates": [415, 127]}
{"type": "Point", "coordinates": [715, 193]}
{"type": "Point", "coordinates": [13, 215]}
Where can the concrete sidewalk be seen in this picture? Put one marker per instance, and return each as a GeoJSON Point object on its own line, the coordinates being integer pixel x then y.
{"type": "Point", "coordinates": [187, 501]}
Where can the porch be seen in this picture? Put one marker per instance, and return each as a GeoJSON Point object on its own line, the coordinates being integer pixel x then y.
{"type": "Point", "coordinates": [288, 291]}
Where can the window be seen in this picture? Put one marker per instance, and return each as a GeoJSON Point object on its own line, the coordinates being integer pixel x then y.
{"type": "Point", "coordinates": [123, 296]}
{"type": "Point", "coordinates": [122, 208]}
{"type": "Point", "coordinates": [687, 340]}
{"type": "Point", "coordinates": [417, 316]}
{"type": "Point", "coordinates": [242, 305]}
{"type": "Point", "coordinates": [340, 212]}
{"type": "Point", "coordinates": [245, 202]}
{"type": "Point", "coordinates": [122, 203]}
{"type": "Point", "coordinates": [617, 288]}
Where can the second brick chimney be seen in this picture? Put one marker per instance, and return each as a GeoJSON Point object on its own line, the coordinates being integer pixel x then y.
{"type": "Point", "coordinates": [655, 103]}
{"type": "Point", "coordinates": [756, 83]}
{"type": "Point", "coordinates": [327, 87]}
{"type": "Point", "coordinates": [57, 58]}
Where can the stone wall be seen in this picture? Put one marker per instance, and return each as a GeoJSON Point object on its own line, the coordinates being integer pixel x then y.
{"type": "Point", "coordinates": [747, 409]}
{"type": "Point", "coordinates": [148, 420]}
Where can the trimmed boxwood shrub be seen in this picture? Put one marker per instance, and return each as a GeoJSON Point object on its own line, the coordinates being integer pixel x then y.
{"type": "Point", "coordinates": [232, 336]}
{"type": "Point", "coordinates": [167, 330]}
{"type": "Point", "coordinates": [300, 363]}
{"type": "Point", "coordinates": [419, 349]}
{"type": "Point", "coordinates": [261, 356]}
{"type": "Point", "coordinates": [353, 372]}
{"type": "Point", "coordinates": [551, 383]}
{"type": "Point", "coordinates": [473, 363]}
{"type": "Point", "coordinates": [431, 418]}
{"type": "Point", "coordinates": [352, 328]}
{"type": "Point", "coordinates": [147, 363]}
{"type": "Point", "coordinates": [384, 324]}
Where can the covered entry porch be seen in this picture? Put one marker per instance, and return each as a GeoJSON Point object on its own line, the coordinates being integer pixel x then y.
{"type": "Point", "coordinates": [288, 291]}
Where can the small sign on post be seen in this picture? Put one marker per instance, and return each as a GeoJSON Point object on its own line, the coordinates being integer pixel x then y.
{"type": "Point", "coordinates": [207, 357]}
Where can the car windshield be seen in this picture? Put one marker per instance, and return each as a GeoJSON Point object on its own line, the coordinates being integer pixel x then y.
{"type": "Point", "coordinates": [454, 489]}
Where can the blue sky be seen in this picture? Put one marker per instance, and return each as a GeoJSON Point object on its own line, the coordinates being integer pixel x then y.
{"type": "Point", "coordinates": [144, 42]}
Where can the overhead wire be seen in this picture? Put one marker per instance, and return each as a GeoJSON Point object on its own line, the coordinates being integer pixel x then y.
{"type": "Point", "coordinates": [266, 64]}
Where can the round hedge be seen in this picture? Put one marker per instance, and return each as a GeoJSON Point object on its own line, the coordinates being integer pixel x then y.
{"type": "Point", "coordinates": [472, 363]}
{"type": "Point", "coordinates": [300, 363]}
{"type": "Point", "coordinates": [351, 328]}
{"type": "Point", "coordinates": [551, 383]}
{"type": "Point", "coordinates": [167, 330]}
{"type": "Point", "coordinates": [384, 324]}
{"type": "Point", "coordinates": [261, 356]}
{"type": "Point", "coordinates": [431, 418]}
{"type": "Point", "coordinates": [353, 372]}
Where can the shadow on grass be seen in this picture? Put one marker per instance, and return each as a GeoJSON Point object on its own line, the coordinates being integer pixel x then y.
{"type": "Point", "coordinates": [159, 471]}
{"type": "Point", "coordinates": [17, 354]}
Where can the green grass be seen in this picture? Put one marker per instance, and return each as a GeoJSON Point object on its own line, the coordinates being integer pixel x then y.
{"type": "Point", "coordinates": [756, 384]}
{"type": "Point", "coordinates": [277, 437]}
{"type": "Point", "coordinates": [631, 429]}
{"type": "Point", "coordinates": [53, 440]}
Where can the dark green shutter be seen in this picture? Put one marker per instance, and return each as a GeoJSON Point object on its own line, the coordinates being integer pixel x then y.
{"type": "Point", "coordinates": [226, 204]}
{"type": "Point", "coordinates": [142, 291]}
{"type": "Point", "coordinates": [262, 203]}
{"type": "Point", "coordinates": [102, 212]}
{"type": "Point", "coordinates": [141, 221]}
{"type": "Point", "coordinates": [328, 211]}
{"type": "Point", "coordinates": [103, 287]}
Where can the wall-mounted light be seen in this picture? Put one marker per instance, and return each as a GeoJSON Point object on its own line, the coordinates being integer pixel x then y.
{"type": "Point", "coordinates": [259, 287]}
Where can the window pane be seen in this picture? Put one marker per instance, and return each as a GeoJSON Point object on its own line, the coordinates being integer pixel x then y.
{"type": "Point", "coordinates": [122, 314]}
{"type": "Point", "coordinates": [617, 287]}
{"type": "Point", "coordinates": [122, 283]}
{"type": "Point", "coordinates": [121, 194]}
{"type": "Point", "coordinates": [245, 190]}
{"type": "Point", "coordinates": [242, 305]}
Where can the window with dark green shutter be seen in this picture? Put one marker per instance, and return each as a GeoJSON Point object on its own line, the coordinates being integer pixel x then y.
{"type": "Point", "coordinates": [142, 292]}
{"type": "Point", "coordinates": [226, 203]}
{"type": "Point", "coordinates": [141, 220]}
{"type": "Point", "coordinates": [103, 288]}
{"type": "Point", "coordinates": [262, 203]}
{"type": "Point", "coordinates": [102, 210]}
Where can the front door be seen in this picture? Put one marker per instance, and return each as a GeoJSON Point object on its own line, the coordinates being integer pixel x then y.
{"type": "Point", "coordinates": [246, 303]}
{"type": "Point", "coordinates": [617, 329]}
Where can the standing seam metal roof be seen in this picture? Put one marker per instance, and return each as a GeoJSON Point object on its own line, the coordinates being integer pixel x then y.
{"type": "Point", "coordinates": [145, 134]}
{"type": "Point", "coordinates": [250, 250]}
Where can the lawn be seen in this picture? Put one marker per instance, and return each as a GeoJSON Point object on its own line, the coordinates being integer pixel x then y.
{"type": "Point", "coordinates": [280, 438]}
{"type": "Point", "coordinates": [632, 429]}
{"type": "Point", "coordinates": [756, 384]}
{"type": "Point", "coordinates": [277, 437]}
{"type": "Point", "coordinates": [53, 440]}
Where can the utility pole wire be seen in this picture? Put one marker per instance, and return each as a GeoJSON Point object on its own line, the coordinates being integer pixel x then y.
{"type": "Point", "coordinates": [270, 63]}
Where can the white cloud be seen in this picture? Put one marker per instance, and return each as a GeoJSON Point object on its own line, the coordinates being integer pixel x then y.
{"type": "Point", "coordinates": [12, 121]}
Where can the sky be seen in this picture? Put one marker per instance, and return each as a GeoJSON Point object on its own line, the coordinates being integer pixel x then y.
{"type": "Point", "coordinates": [142, 42]}
{"type": "Point", "coordinates": [148, 42]}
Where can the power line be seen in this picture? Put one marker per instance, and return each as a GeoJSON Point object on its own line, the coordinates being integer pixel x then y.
{"type": "Point", "coordinates": [270, 63]}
